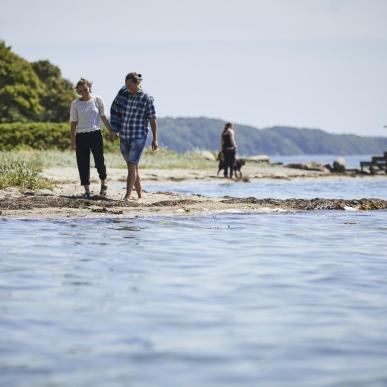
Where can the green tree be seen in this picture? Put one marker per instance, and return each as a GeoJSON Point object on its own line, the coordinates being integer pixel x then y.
{"type": "Point", "coordinates": [20, 88]}
{"type": "Point", "coordinates": [57, 92]}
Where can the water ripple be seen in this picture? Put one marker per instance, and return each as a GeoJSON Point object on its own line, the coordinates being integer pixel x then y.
{"type": "Point", "coordinates": [220, 300]}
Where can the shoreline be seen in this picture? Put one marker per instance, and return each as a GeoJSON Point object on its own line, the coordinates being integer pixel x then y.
{"type": "Point", "coordinates": [30, 205]}
{"type": "Point", "coordinates": [252, 173]}
{"type": "Point", "coordinates": [64, 201]}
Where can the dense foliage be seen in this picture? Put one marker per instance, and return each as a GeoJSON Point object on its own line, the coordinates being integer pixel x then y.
{"type": "Point", "coordinates": [57, 93]}
{"type": "Point", "coordinates": [32, 91]}
{"type": "Point", "coordinates": [40, 135]}
{"type": "Point", "coordinates": [20, 88]}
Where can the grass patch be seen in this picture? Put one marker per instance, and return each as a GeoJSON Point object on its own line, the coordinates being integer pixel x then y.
{"type": "Point", "coordinates": [18, 173]}
{"type": "Point", "coordinates": [160, 159]}
{"type": "Point", "coordinates": [167, 159]}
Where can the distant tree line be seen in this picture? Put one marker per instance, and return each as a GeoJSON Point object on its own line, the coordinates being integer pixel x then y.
{"type": "Point", "coordinates": [186, 133]}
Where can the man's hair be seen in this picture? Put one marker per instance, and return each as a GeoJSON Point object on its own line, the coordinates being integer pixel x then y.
{"type": "Point", "coordinates": [83, 82]}
{"type": "Point", "coordinates": [134, 77]}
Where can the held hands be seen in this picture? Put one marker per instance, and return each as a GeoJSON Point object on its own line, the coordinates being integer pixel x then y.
{"type": "Point", "coordinates": [155, 144]}
{"type": "Point", "coordinates": [112, 136]}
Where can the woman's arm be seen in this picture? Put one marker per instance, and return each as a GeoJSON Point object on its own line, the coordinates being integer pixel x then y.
{"type": "Point", "coordinates": [232, 137]}
{"type": "Point", "coordinates": [73, 123]}
{"type": "Point", "coordinates": [73, 126]}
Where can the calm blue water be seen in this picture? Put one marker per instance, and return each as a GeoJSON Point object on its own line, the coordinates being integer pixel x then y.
{"type": "Point", "coordinates": [342, 188]}
{"type": "Point", "coordinates": [290, 299]}
{"type": "Point", "coordinates": [346, 188]}
{"type": "Point", "coordinates": [353, 161]}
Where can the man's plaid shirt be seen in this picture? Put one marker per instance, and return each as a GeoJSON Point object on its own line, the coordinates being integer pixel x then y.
{"type": "Point", "coordinates": [129, 115]}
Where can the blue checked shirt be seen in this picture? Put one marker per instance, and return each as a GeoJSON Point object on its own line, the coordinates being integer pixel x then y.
{"type": "Point", "coordinates": [130, 115]}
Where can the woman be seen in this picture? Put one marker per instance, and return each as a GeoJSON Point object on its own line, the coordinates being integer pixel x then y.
{"type": "Point", "coordinates": [86, 114]}
{"type": "Point", "coordinates": [228, 146]}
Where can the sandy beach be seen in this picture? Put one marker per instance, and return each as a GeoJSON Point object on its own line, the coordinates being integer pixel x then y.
{"type": "Point", "coordinates": [64, 199]}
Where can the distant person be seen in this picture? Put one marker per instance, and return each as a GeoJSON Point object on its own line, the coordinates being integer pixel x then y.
{"type": "Point", "coordinates": [86, 114]}
{"type": "Point", "coordinates": [228, 148]}
{"type": "Point", "coordinates": [130, 113]}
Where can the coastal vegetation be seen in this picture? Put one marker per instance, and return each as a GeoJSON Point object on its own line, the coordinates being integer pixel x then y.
{"type": "Point", "coordinates": [18, 173]}
{"type": "Point", "coordinates": [162, 159]}
{"type": "Point", "coordinates": [32, 91]}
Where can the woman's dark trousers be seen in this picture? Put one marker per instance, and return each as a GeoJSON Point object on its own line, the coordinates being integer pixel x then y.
{"type": "Point", "coordinates": [229, 161]}
{"type": "Point", "coordinates": [86, 142]}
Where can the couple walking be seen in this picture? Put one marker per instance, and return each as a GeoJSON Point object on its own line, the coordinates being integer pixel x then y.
{"type": "Point", "coordinates": [130, 113]}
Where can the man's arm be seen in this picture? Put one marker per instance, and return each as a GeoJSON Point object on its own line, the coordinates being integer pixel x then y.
{"type": "Point", "coordinates": [153, 124]}
{"type": "Point", "coordinates": [151, 115]}
{"type": "Point", "coordinates": [115, 115]}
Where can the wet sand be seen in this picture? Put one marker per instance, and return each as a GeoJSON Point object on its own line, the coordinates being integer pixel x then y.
{"type": "Point", "coordinates": [65, 201]}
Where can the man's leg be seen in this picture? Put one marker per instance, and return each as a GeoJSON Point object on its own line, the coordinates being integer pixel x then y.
{"type": "Point", "coordinates": [137, 183]}
{"type": "Point", "coordinates": [132, 168]}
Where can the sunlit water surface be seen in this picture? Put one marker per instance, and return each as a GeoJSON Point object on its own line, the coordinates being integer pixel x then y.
{"type": "Point", "coordinates": [281, 299]}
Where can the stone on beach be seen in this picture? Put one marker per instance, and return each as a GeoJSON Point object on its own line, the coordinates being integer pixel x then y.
{"type": "Point", "coordinates": [206, 155]}
{"type": "Point", "coordinates": [259, 158]}
{"type": "Point", "coordinates": [310, 166]}
{"type": "Point", "coordinates": [339, 165]}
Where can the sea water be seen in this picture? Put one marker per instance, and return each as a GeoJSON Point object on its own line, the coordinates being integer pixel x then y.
{"type": "Point", "coordinates": [266, 299]}
{"type": "Point", "coordinates": [328, 188]}
{"type": "Point", "coordinates": [307, 188]}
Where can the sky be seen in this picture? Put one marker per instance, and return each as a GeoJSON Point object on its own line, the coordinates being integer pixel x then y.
{"type": "Point", "coordinates": [304, 63]}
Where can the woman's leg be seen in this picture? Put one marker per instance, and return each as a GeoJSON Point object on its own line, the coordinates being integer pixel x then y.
{"type": "Point", "coordinates": [226, 162]}
{"type": "Point", "coordinates": [82, 150]}
{"type": "Point", "coordinates": [232, 162]}
{"type": "Point", "coordinates": [97, 150]}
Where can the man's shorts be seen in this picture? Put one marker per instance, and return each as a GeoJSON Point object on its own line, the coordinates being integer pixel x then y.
{"type": "Point", "coordinates": [132, 149]}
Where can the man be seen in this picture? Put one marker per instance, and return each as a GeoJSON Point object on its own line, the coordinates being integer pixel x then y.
{"type": "Point", "coordinates": [130, 113]}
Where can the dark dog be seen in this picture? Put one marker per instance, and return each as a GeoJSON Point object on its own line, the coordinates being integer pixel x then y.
{"type": "Point", "coordinates": [237, 165]}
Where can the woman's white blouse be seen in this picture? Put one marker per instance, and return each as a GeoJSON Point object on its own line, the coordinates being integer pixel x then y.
{"type": "Point", "coordinates": [87, 114]}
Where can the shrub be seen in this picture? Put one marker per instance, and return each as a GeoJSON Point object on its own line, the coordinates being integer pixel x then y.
{"type": "Point", "coordinates": [19, 174]}
{"type": "Point", "coordinates": [40, 135]}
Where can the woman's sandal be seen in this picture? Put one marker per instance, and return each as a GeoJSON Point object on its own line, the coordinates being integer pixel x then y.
{"type": "Point", "coordinates": [103, 190]}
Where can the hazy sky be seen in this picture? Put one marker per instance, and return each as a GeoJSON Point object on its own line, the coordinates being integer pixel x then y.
{"type": "Point", "coordinates": [310, 63]}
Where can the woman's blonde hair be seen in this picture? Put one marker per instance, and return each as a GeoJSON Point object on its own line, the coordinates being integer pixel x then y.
{"type": "Point", "coordinates": [83, 82]}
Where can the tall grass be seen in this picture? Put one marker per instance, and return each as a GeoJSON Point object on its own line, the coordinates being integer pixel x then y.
{"type": "Point", "coordinates": [18, 173]}
{"type": "Point", "coordinates": [160, 159]}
